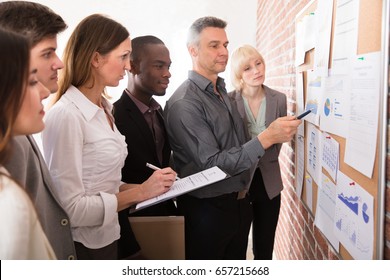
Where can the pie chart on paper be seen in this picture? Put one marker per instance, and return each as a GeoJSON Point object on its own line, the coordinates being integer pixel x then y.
{"type": "Point", "coordinates": [327, 107]}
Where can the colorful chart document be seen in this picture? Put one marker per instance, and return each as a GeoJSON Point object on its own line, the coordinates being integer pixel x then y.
{"type": "Point", "coordinates": [354, 218]}
{"type": "Point", "coordinates": [185, 185]}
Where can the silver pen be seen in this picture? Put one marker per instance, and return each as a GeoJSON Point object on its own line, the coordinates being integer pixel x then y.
{"type": "Point", "coordinates": [151, 166]}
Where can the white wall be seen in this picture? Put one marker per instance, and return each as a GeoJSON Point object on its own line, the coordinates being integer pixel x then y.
{"type": "Point", "coordinates": [167, 19]}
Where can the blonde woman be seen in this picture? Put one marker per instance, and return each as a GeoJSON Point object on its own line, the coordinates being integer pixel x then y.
{"type": "Point", "coordinates": [259, 106]}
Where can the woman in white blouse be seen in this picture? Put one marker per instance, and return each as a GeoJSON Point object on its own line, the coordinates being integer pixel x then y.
{"type": "Point", "coordinates": [259, 106]}
{"type": "Point", "coordinates": [21, 112]}
{"type": "Point", "coordinates": [83, 148]}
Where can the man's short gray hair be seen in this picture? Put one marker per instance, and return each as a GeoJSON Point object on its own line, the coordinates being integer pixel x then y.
{"type": "Point", "coordinates": [201, 23]}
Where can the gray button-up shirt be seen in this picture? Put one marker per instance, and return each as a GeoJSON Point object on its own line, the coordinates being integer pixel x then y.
{"type": "Point", "coordinates": [205, 131]}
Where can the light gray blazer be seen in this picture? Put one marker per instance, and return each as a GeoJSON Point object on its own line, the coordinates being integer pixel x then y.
{"type": "Point", "coordinates": [268, 164]}
{"type": "Point", "coordinates": [28, 167]}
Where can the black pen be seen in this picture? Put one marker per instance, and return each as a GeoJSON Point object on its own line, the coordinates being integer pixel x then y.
{"type": "Point", "coordinates": [304, 114]}
{"type": "Point", "coordinates": [151, 166]}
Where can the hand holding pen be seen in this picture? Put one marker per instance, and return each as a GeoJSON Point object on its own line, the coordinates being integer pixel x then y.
{"type": "Point", "coordinates": [151, 166]}
{"type": "Point", "coordinates": [304, 114]}
{"type": "Point", "coordinates": [158, 183]}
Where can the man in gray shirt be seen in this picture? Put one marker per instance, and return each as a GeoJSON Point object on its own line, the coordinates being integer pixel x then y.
{"type": "Point", "coordinates": [41, 25]}
{"type": "Point", "coordinates": [206, 130]}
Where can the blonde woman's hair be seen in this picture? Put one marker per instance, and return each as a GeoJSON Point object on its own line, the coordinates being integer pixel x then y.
{"type": "Point", "coordinates": [95, 33]}
{"type": "Point", "coordinates": [240, 57]}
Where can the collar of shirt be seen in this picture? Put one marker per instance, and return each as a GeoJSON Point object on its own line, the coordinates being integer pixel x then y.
{"type": "Point", "coordinates": [87, 108]}
{"type": "Point", "coordinates": [154, 106]}
{"type": "Point", "coordinates": [204, 83]}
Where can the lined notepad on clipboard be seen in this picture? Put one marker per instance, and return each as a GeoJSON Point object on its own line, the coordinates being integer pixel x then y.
{"type": "Point", "coordinates": [185, 185]}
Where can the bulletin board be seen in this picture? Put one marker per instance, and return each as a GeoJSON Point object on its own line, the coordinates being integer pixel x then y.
{"type": "Point", "coordinates": [372, 28]}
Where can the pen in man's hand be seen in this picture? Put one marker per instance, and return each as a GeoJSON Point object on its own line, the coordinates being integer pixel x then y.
{"type": "Point", "coordinates": [304, 114]}
{"type": "Point", "coordinates": [151, 166]}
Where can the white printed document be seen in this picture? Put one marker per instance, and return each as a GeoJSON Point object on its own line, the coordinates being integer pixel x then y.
{"type": "Point", "coordinates": [185, 185]}
{"type": "Point", "coordinates": [361, 142]}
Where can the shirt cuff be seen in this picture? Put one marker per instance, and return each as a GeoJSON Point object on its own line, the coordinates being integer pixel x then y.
{"type": "Point", "coordinates": [110, 203]}
{"type": "Point", "coordinates": [254, 149]}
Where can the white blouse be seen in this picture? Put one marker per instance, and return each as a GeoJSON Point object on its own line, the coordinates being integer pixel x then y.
{"type": "Point", "coordinates": [21, 233]}
{"type": "Point", "coordinates": [85, 157]}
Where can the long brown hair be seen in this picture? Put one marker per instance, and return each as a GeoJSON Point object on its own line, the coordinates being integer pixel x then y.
{"type": "Point", "coordinates": [14, 71]}
{"type": "Point", "coordinates": [95, 33]}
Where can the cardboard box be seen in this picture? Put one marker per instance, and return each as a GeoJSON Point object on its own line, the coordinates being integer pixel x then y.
{"type": "Point", "coordinates": [161, 238]}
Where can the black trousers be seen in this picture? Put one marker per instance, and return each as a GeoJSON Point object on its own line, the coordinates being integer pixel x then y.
{"type": "Point", "coordinates": [265, 218]}
{"type": "Point", "coordinates": [109, 252]}
{"type": "Point", "coordinates": [216, 228]}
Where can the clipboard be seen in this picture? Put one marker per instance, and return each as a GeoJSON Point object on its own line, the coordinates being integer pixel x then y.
{"type": "Point", "coordinates": [185, 185]}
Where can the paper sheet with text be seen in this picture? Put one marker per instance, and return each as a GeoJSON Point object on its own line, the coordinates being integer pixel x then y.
{"type": "Point", "coordinates": [185, 185]}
